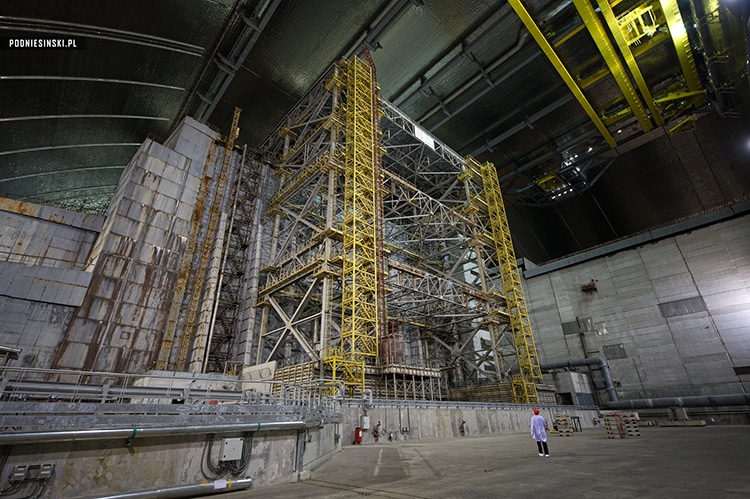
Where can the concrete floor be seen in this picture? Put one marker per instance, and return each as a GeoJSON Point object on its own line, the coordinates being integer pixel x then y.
{"type": "Point", "coordinates": [697, 462]}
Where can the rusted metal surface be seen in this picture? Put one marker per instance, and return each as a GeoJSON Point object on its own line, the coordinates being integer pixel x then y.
{"type": "Point", "coordinates": [186, 265]}
{"type": "Point", "coordinates": [121, 324]}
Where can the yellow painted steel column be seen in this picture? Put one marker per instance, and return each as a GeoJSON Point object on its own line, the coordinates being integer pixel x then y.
{"type": "Point", "coordinates": [601, 38]}
{"type": "Point", "coordinates": [681, 43]}
{"type": "Point", "coordinates": [530, 373]}
{"type": "Point", "coordinates": [627, 54]}
{"type": "Point", "coordinates": [544, 44]}
{"type": "Point", "coordinates": [359, 300]}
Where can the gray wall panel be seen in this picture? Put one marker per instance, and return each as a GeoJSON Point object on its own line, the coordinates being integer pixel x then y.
{"type": "Point", "coordinates": [689, 354]}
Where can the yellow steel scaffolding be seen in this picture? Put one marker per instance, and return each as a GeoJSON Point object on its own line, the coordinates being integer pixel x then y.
{"type": "Point", "coordinates": [359, 302]}
{"type": "Point", "coordinates": [524, 382]}
{"type": "Point", "coordinates": [343, 222]}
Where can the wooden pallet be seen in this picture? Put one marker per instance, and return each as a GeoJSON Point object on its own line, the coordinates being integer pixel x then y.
{"type": "Point", "coordinates": [622, 425]}
{"type": "Point", "coordinates": [564, 428]}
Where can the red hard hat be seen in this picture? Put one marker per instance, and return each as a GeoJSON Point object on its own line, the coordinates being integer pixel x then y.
{"type": "Point", "coordinates": [536, 411]}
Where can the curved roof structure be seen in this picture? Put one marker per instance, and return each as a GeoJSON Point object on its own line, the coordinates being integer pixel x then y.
{"type": "Point", "coordinates": [604, 120]}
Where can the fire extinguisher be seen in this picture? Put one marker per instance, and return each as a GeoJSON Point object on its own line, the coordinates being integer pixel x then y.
{"type": "Point", "coordinates": [358, 435]}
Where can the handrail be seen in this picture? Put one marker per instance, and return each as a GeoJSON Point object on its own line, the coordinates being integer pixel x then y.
{"type": "Point", "coordinates": [132, 433]}
{"type": "Point", "coordinates": [21, 383]}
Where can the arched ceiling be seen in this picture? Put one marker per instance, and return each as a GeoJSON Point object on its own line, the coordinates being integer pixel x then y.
{"type": "Point", "coordinates": [603, 120]}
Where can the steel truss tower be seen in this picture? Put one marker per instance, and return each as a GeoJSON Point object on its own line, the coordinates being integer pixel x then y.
{"type": "Point", "coordinates": [454, 309]}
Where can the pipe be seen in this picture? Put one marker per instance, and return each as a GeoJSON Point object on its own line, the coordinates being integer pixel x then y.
{"type": "Point", "coordinates": [192, 490]}
{"type": "Point", "coordinates": [693, 401]}
{"type": "Point", "coordinates": [587, 362]}
{"type": "Point", "coordinates": [131, 433]}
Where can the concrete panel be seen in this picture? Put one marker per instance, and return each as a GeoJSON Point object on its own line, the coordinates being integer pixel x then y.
{"type": "Point", "coordinates": [42, 283]}
{"type": "Point", "coordinates": [74, 352]}
{"type": "Point", "coordinates": [272, 458]}
{"type": "Point", "coordinates": [728, 302]}
{"type": "Point", "coordinates": [674, 287]}
{"type": "Point", "coordinates": [164, 203]}
{"type": "Point", "coordinates": [656, 336]}
{"type": "Point", "coordinates": [709, 262]}
{"type": "Point", "coordinates": [86, 332]}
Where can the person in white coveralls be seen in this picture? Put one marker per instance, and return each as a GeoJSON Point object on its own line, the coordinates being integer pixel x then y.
{"type": "Point", "coordinates": [539, 433]}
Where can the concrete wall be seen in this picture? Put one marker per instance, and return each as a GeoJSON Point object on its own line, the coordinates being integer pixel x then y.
{"type": "Point", "coordinates": [92, 468]}
{"type": "Point", "coordinates": [443, 420]}
{"type": "Point", "coordinates": [42, 258]}
{"type": "Point", "coordinates": [43, 235]}
{"type": "Point", "coordinates": [95, 468]}
{"type": "Point", "coordinates": [139, 258]}
{"type": "Point", "coordinates": [678, 349]}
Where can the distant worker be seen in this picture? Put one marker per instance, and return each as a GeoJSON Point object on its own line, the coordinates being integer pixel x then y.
{"type": "Point", "coordinates": [539, 433]}
{"type": "Point", "coordinates": [464, 428]}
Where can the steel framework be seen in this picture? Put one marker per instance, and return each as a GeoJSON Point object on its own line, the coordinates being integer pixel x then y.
{"type": "Point", "coordinates": [359, 303]}
{"type": "Point", "coordinates": [453, 312]}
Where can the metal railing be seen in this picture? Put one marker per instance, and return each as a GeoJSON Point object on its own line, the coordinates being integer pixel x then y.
{"type": "Point", "coordinates": [52, 385]}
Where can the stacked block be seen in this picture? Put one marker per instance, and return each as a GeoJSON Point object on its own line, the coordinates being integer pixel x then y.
{"type": "Point", "coordinates": [564, 426]}
{"type": "Point", "coordinates": [622, 424]}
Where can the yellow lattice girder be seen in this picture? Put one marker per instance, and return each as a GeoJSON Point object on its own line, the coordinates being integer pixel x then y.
{"type": "Point", "coordinates": [524, 383]}
{"type": "Point", "coordinates": [192, 315]}
{"type": "Point", "coordinates": [681, 43]}
{"type": "Point", "coordinates": [623, 44]}
{"type": "Point", "coordinates": [359, 303]}
{"type": "Point", "coordinates": [350, 372]}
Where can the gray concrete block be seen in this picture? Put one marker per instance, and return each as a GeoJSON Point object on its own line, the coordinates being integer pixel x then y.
{"type": "Point", "coordinates": [99, 309]}
{"type": "Point", "coordinates": [175, 159]}
{"type": "Point", "coordinates": [164, 203]}
{"type": "Point", "coordinates": [184, 213]}
{"type": "Point", "coordinates": [126, 227]}
{"type": "Point", "coordinates": [49, 293]}
{"type": "Point", "coordinates": [132, 293]}
{"type": "Point", "coordinates": [21, 287]}
{"type": "Point", "coordinates": [128, 314]}
{"type": "Point", "coordinates": [73, 355]}
{"type": "Point", "coordinates": [75, 295]}
{"type": "Point", "coordinates": [170, 188]}
{"type": "Point", "coordinates": [113, 265]}
{"type": "Point", "coordinates": [146, 253]}
{"type": "Point", "coordinates": [85, 331]}
{"type": "Point", "coordinates": [155, 236]}
{"type": "Point", "coordinates": [159, 152]}
{"type": "Point", "coordinates": [148, 340]}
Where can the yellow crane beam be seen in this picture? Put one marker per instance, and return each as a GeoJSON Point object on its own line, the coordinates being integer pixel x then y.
{"type": "Point", "coordinates": [609, 54]}
{"type": "Point", "coordinates": [549, 51]}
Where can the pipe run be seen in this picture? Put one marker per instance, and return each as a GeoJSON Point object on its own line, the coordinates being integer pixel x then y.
{"type": "Point", "coordinates": [693, 401]}
{"type": "Point", "coordinates": [155, 431]}
{"type": "Point", "coordinates": [193, 490]}
{"type": "Point", "coordinates": [587, 362]}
